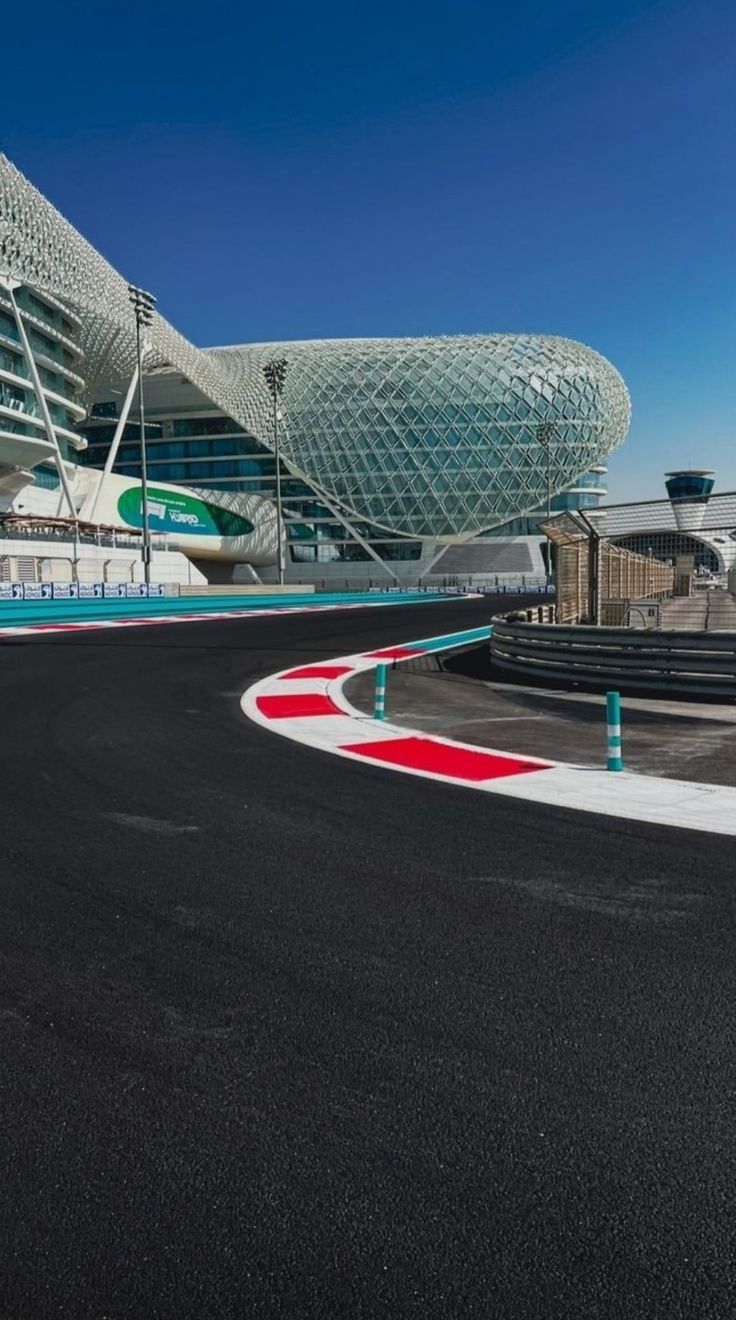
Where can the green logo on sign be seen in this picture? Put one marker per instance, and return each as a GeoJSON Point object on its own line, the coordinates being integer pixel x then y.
{"type": "Point", "coordinates": [171, 511]}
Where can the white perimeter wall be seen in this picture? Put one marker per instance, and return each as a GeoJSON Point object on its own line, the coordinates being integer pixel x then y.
{"type": "Point", "coordinates": [53, 561]}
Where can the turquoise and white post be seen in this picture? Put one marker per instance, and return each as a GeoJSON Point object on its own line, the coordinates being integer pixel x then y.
{"type": "Point", "coordinates": [613, 730]}
{"type": "Point", "coordinates": [379, 706]}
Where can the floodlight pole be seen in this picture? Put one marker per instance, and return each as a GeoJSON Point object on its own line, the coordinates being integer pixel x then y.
{"type": "Point", "coordinates": [279, 516]}
{"type": "Point", "coordinates": [143, 305]}
{"type": "Point", "coordinates": [545, 431]}
{"type": "Point", "coordinates": [275, 374]}
{"type": "Point", "coordinates": [144, 466]}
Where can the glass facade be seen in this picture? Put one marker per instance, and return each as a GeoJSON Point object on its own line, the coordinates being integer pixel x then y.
{"type": "Point", "coordinates": [446, 436]}
{"type": "Point", "coordinates": [692, 487]}
{"type": "Point", "coordinates": [587, 493]}
{"type": "Point", "coordinates": [443, 437]}
{"type": "Point", "coordinates": [393, 443]}
{"type": "Point", "coordinates": [46, 477]}
{"type": "Point", "coordinates": [409, 440]}
{"type": "Point", "coordinates": [217, 455]}
{"type": "Point", "coordinates": [47, 345]}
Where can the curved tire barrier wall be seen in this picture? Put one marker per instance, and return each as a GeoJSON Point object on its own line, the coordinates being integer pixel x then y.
{"type": "Point", "coordinates": [689, 663]}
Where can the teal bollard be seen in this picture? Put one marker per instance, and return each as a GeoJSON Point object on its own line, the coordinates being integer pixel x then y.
{"type": "Point", "coordinates": [613, 731]}
{"type": "Point", "coordinates": [379, 706]}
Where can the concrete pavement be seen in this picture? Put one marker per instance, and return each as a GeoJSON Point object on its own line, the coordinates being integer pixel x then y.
{"type": "Point", "coordinates": [455, 696]}
{"type": "Point", "coordinates": [712, 611]}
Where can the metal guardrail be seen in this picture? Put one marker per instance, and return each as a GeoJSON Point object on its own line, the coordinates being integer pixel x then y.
{"type": "Point", "coordinates": [51, 532]}
{"type": "Point", "coordinates": [692, 663]}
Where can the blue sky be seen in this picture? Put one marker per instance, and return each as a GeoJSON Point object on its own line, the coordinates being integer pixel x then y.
{"type": "Point", "coordinates": [327, 169]}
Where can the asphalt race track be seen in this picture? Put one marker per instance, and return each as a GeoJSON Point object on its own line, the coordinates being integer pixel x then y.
{"type": "Point", "coordinates": [288, 1036]}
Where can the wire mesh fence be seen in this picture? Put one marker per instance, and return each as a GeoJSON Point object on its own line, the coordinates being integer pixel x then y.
{"type": "Point", "coordinates": [590, 573]}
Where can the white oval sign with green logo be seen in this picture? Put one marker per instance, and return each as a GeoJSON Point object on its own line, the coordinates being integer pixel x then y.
{"type": "Point", "coordinates": [174, 511]}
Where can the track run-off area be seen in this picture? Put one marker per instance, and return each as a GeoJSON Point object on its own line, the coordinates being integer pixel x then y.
{"type": "Point", "coordinates": [308, 704]}
{"type": "Point", "coordinates": [285, 1034]}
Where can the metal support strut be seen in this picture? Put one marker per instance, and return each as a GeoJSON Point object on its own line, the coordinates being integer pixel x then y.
{"type": "Point", "coordinates": [10, 285]}
{"type": "Point", "coordinates": [110, 460]}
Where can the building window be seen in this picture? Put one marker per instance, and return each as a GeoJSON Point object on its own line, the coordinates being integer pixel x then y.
{"type": "Point", "coordinates": [40, 309]}
{"type": "Point", "coordinates": [12, 397]}
{"type": "Point", "coordinates": [329, 552]}
{"type": "Point", "coordinates": [205, 426]}
{"type": "Point", "coordinates": [9, 362]}
{"type": "Point", "coordinates": [44, 345]}
{"type": "Point", "coordinates": [8, 327]}
{"type": "Point", "coordinates": [46, 477]}
{"type": "Point", "coordinates": [107, 409]}
{"type": "Point", "coordinates": [398, 549]}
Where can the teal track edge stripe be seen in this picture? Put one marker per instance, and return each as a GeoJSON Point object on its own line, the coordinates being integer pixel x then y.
{"type": "Point", "coordinates": [452, 639]}
{"type": "Point", "coordinates": [27, 613]}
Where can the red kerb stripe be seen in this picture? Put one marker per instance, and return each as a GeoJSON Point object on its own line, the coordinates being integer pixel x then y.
{"type": "Point", "coordinates": [394, 653]}
{"type": "Point", "coordinates": [304, 703]}
{"type": "Point", "coordinates": [441, 759]}
{"type": "Point", "coordinates": [318, 671]}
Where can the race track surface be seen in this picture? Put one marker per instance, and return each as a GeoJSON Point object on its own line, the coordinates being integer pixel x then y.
{"type": "Point", "coordinates": [285, 1036]}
